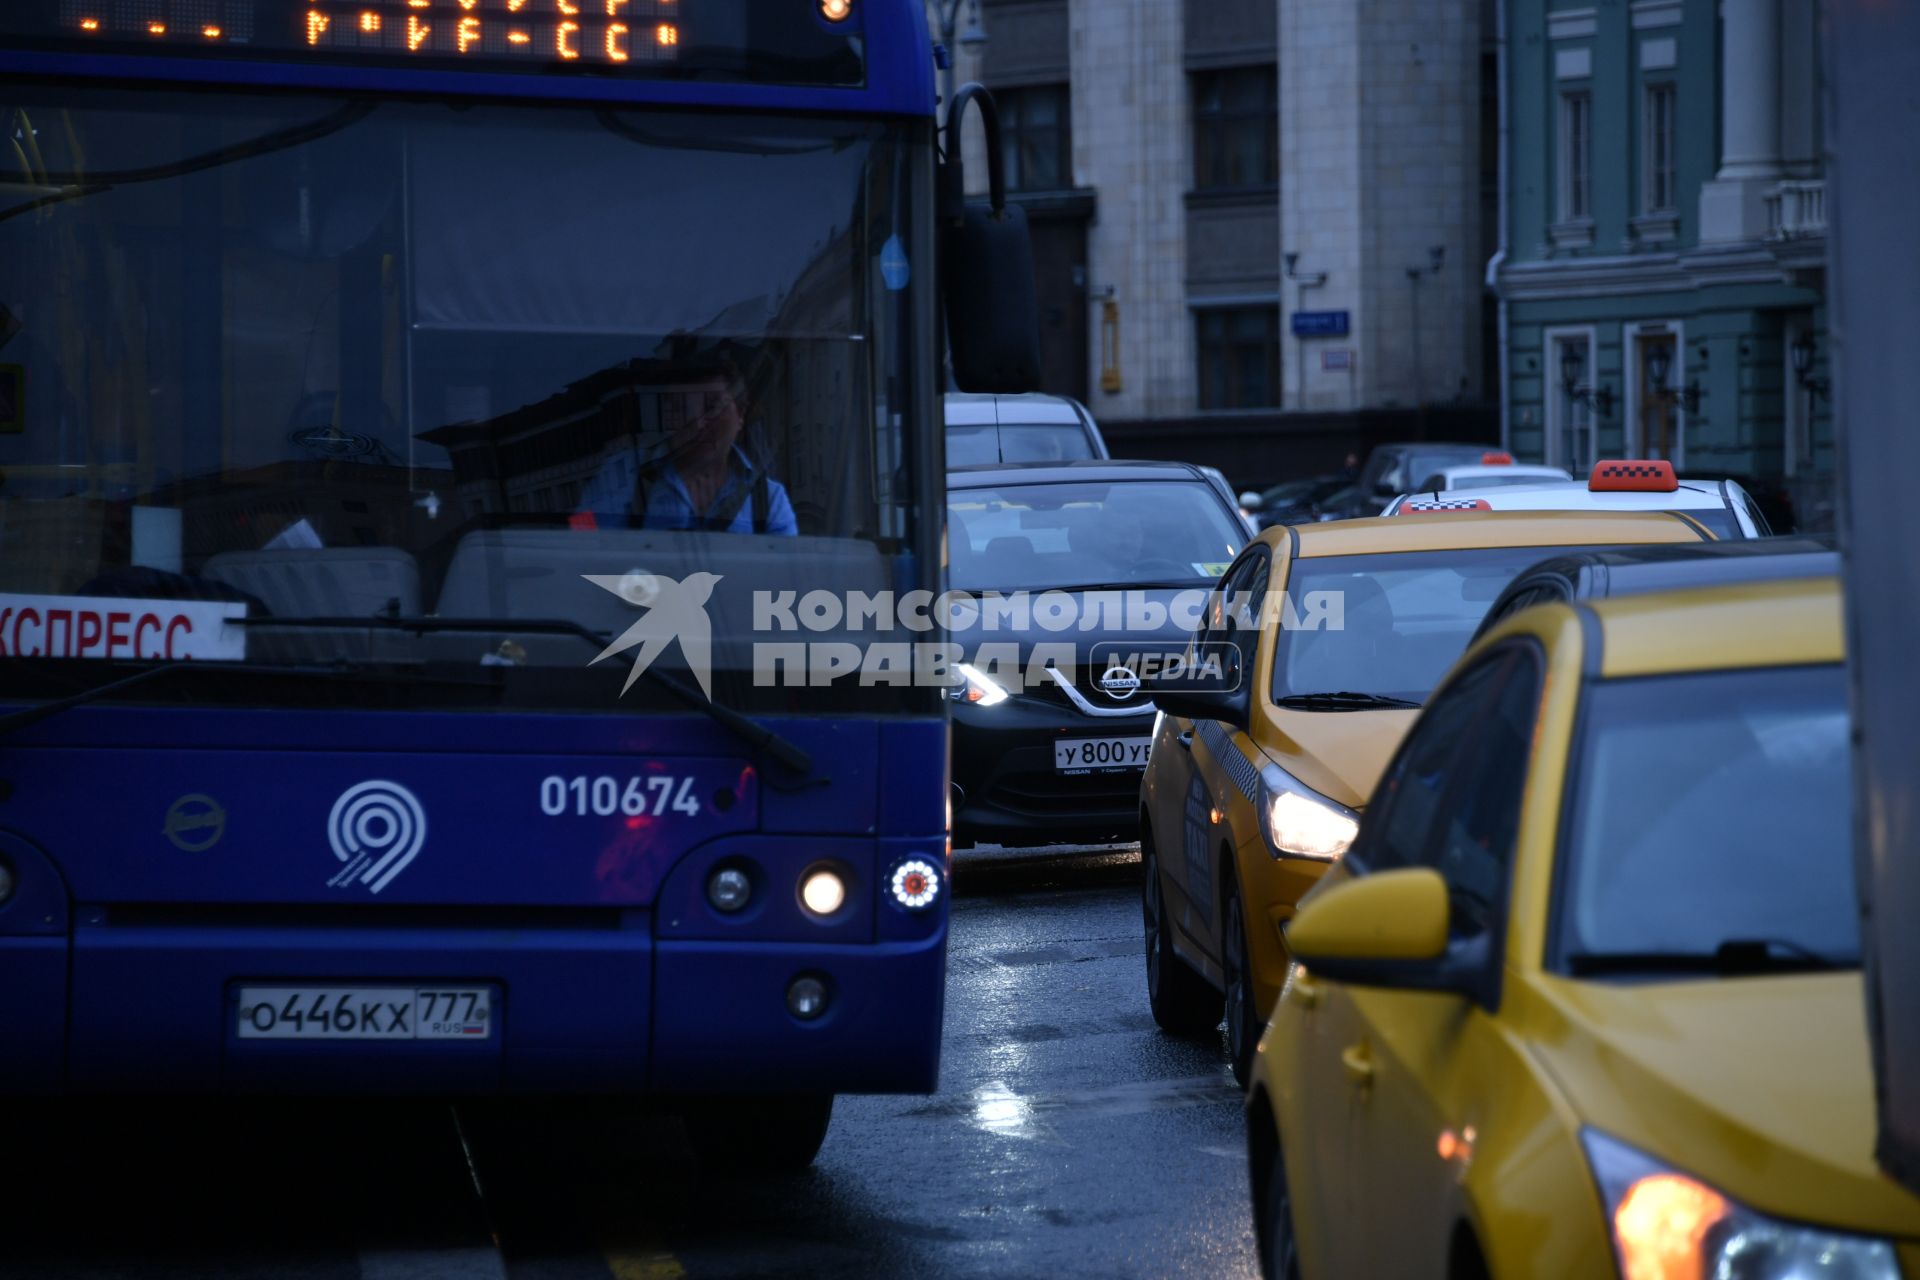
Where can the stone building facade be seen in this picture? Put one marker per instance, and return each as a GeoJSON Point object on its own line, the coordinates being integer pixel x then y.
{"type": "Point", "coordinates": [1198, 171]}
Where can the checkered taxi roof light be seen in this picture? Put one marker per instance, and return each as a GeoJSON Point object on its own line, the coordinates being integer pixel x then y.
{"type": "Point", "coordinates": [1633, 475]}
{"type": "Point", "coordinates": [1421, 505]}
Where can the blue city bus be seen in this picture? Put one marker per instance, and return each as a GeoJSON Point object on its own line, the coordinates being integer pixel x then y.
{"type": "Point", "coordinates": [406, 408]}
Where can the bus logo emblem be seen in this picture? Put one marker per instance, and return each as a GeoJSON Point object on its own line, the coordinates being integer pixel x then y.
{"type": "Point", "coordinates": [376, 829]}
{"type": "Point", "coordinates": [195, 823]}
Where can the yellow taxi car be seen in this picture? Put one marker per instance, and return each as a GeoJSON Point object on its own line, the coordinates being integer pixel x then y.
{"type": "Point", "coordinates": [1336, 633]}
{"type": "Point", "coordinates": [1584, 999]}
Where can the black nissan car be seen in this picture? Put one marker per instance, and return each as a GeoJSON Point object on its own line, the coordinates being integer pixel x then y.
{"type": "Point", "coordinates": [1073, 583]}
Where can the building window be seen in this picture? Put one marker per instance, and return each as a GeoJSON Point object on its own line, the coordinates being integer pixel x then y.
{"type": "Point", "coordinates": [1239, 351]}
{"type": "Point", "coordinates": [1236, 129]}
{"type": "Point", "coordinates": [1036, 134]}
{"type": "Point", "coordinates": [1659, 194]}
{"type": "Point", "coordinates": [1576, 154]}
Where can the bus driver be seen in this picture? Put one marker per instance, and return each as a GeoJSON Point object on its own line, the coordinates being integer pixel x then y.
{"type": "Point", "coordinates": [704, 479]}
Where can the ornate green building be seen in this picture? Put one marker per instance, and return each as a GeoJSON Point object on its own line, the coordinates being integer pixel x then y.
{"type": "Point", "coordinates": [1662, 271]}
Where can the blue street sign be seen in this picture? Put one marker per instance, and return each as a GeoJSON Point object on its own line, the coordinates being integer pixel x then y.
{"type": "Point", "coordinates": [1319, 324]}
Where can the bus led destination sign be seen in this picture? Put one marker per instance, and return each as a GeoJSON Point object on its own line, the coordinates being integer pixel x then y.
{"type": "Point", "coordinates": [613, 33]}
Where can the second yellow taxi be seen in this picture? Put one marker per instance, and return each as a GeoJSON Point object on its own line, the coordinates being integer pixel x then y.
{"type": "Point", "coordinates": [1333, 635]}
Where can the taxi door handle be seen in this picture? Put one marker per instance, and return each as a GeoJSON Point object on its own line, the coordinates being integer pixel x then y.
{"type": "Point", "coordinates": [1185, 739]}
{"type": "Point", "coordinates": [1358, 1062]}
{"type": "Point", "coordinates": [1305, 994]}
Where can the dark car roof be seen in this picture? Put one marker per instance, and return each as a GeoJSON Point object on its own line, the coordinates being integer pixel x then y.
{"type": "Point", "coordinates": [1637, 570]}
{"type": "Point", "coordinates": [1093, 470]}
{"type": "Point", "coordinates": [1632, 571]}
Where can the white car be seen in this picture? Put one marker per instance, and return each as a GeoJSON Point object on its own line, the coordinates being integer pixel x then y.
{"type": "Point", "coordinates": [1617, 484]}
{"type": "Point", "coordinates": [1487, 475]}
{"type": "Point", "coordinates": [988, 430]}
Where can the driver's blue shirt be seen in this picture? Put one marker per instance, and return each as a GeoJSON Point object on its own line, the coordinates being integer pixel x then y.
{"type": "Point", "coordinates": [609, 496]}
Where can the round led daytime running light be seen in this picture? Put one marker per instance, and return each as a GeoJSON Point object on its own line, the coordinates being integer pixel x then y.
{"type": "Point", "coordinates": [915, 884]}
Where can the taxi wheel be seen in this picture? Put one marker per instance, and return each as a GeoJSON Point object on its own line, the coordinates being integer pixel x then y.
{"type": "Point", "coordinates": [758, 1135]}
{"type": "Point", "coordinates": [1243, 1019]}
{"type": "Point", "coordinates": [1181, 1000]}
{"type": "Point", "coordinates": [1280, 1251]}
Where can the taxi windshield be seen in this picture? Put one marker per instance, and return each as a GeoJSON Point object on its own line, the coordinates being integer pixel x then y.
{"type": "Point", "coordinates": [1711, 814]}
{"type": "Point", "coordinates": [1030, 537]}
{"type": "Point", "coordinates": [1389, 624]}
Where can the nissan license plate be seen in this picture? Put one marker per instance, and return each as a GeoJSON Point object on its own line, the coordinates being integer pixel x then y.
{"type": "Point", "coordinates": [365, 1013]}
{"type": "Point", "coordinates": [1100, 755]}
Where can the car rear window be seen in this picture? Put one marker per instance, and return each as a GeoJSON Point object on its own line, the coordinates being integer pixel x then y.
{"type": "Point", "coordinates": [973, 446]}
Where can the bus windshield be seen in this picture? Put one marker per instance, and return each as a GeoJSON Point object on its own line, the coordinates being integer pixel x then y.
{"type": "Point", "coordinates": [331, 357]}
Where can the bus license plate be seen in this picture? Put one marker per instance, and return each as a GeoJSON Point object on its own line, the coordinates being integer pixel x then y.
{"type": "Point", "coordinates": [365, 1013]}
{"type": "Point", "coordinates": [1085, 755]}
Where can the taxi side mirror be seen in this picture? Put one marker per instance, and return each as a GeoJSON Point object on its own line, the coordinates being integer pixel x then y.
{"type": "Point", "coordinates": [1387, 929]}
{"type": "Point", "coordinates": [1229, 706]}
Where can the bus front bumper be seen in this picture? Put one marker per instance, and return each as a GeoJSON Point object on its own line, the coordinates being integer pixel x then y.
{"type": "Point", "coordinates": [137, 1007]}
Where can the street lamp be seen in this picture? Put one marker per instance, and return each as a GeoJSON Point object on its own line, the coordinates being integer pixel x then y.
{"type": "Point", "coordinates": [1659, 365]}
{"type": "Point", "coordinates": [1573, 363]}
{"type": "Point", "coordinates": [1802, 352]}
{"type": "Point", "coordinates": [974, 37]}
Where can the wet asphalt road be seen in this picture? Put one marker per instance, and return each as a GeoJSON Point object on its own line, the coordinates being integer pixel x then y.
{"type": "Point", "coordinates": [1069, 1138]}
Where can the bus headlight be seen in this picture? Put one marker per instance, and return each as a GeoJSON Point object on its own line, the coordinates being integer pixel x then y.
{"type": "Point", "coordinates": [836, 10]}
{"type": "Point", "coordinates": [729, 889]}
{"type": "Point", "coordinates": [1665, 1223]}
{"type": "Point", "coordinates": [822, 891]}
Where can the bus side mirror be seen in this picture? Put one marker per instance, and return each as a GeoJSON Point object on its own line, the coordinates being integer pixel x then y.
{"type": "Point", "coordinates": [986, 267]}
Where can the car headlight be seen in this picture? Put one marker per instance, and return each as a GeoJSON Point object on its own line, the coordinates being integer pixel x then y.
{"type": "Point", "coordinates": [979, 688]}
{"type": "Point", "coordinates": [1300, 822]}
{"type": "Point", "coordinates": [1666, 1225]}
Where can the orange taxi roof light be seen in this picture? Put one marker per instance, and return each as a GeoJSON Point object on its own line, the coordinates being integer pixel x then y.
{"type": "Point", "coordinates": [1496, 458]}
{"type": "Point", "coordinates": [1443, 504]}
{"type": "Point", "coordinates": [1633, 475]}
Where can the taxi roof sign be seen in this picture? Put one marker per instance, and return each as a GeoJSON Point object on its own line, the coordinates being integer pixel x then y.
{"type": "Point", "coordinates": [1443, 504]}
{"type": "Point", "coordinates": [1496, 458]}
{"type": "Point", "coordinates": [1633, 475]}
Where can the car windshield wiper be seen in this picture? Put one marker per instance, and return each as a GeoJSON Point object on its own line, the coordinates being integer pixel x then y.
{"type": "Point", "coordinates": [758, 736]}
{"type": "Point", "coordinates": [1345, 700]}
{"type": "Point", "coordinates": [14, 721]}
{"type": "Point", "coordinates": [1732, 957]}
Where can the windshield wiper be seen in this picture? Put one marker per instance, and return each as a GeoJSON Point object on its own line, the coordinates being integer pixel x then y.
{"type": "Point", "coordinates": [344, 670]}
{"type": "Point", "coordinates": [756, 735]}
{"type": "Point", "coordinates": [1345, 700]}
{"type": "Point", "coordinates": [1732, 957]}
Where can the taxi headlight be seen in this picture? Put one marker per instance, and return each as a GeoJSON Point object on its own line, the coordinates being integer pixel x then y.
{"type": "Point", "coordinates": [978, 689]}
{"type": "Point", "coordinates": [1666, 1225]}
{"type": "Point", "coordinates": [1302, 823]}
